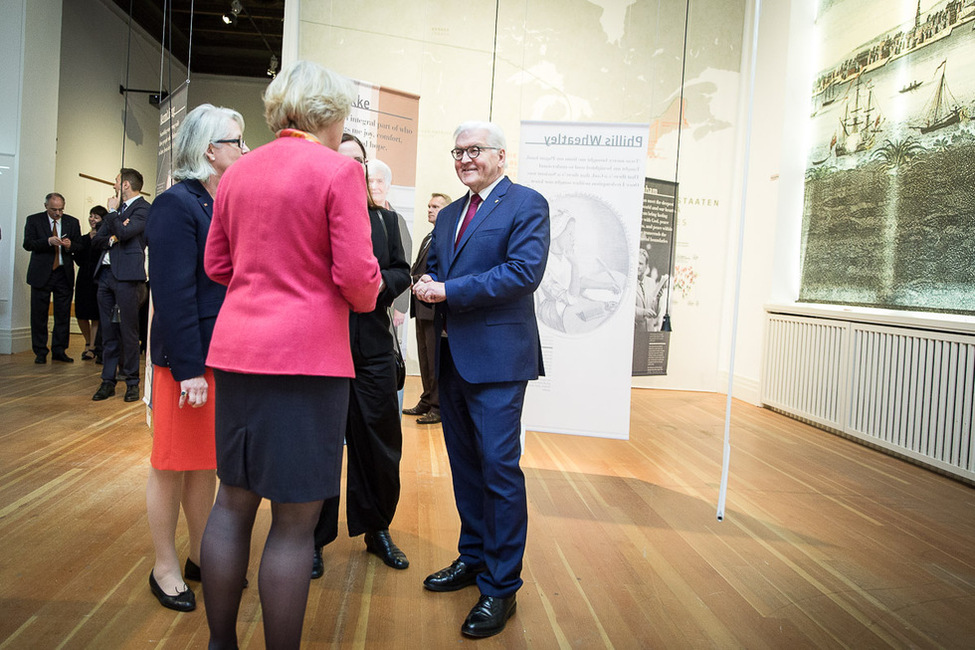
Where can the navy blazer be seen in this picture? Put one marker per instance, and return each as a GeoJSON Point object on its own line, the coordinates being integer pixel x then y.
{"type": "Point", "coordinates": [37, 230]}
{"type": "Point", "coordinates": [490, 278]}
{"type": "Point", "coordinates": [185, 300]}
{"type": "Point", "coordinates": [128, 255]}
{"type": "Point", "coordinates": [370, 334]}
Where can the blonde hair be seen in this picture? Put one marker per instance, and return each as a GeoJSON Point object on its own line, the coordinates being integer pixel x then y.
{"type": "Point", "coordinates": [307, 96]}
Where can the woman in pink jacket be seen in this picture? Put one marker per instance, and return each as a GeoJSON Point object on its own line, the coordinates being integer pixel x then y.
{"type": "Point", "coordinates": [290, 238]}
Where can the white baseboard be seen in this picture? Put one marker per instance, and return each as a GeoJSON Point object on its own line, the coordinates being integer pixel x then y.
{"type": "Point", "coordinates": [14, 340]}
{"type": "Point", "coordinates": [745, 388]}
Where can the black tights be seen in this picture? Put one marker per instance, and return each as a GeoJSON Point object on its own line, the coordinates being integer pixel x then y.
{"type": "Point", "coordinates": [285, 566]}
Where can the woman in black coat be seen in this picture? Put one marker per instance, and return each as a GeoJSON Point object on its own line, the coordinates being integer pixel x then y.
{"type": "Point", "coordinates": [85, 287]}
{"type": "Point", "coordinates": [374, 438]}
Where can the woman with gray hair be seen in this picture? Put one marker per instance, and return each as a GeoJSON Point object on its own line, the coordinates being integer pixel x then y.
{"type": "Point", "coordinates": [291, 240]}
{"type": "Point", "coordinates": [185, 303]}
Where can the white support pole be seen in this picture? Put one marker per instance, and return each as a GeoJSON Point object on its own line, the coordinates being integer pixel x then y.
{"type": "Point", "coordinates": [726, 457]}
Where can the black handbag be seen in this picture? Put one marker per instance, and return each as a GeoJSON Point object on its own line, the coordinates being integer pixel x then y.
{"type": "Point", "coordinates": [398, 358]}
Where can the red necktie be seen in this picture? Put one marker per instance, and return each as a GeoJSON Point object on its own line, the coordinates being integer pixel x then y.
{"type": "Point", "coordinates": [471, 209]}
{"type": "Point", "coordinates": [57, 251]}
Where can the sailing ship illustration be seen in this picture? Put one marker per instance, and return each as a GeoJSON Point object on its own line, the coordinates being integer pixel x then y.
{"type": "Point", "coordinates": [942, 109]}
{"type": "Point", "coordinates": [860, 124]}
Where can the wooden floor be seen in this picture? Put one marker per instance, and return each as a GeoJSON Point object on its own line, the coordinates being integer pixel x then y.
{"type": "Point", "coordinates": [825, 543]}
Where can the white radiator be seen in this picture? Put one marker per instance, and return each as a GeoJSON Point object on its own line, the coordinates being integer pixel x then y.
{"type": "Point", "coordinates": [907, 390]}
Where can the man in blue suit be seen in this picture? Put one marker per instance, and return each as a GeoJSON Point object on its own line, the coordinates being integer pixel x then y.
{"type": "Point", "coordinates": [486, 258]}
{"type": "Point", "coordinates": [121, 275]}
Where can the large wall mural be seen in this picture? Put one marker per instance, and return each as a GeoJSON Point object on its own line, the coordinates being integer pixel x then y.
{"type": "Point", "coordinates": [889, 215]}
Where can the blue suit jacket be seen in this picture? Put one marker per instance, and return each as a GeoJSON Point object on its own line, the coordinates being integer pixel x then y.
{"type": "Point", "coordinates": [128, 255]}
{"type": "Point", "coordinates": [490, 278]}
{"type": "Point", "coordinates": [185, 300]}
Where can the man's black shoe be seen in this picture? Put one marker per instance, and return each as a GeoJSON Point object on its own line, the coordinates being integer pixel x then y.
{"type": "Point", "coordinates": [106, 390]}
{"type": "Point", "coordinates": [419, 409]}
{"type": "Point", "coordinates": [41, 358]}
{"type": "Point", "coordinates": [457, 576]}
{"type": "Point", "coordinates": [433, 417]}
{"type": "Point", "coordinates": [488, 616]}
{"type": "Point", "coordinates": [132, 393]}
{"type": "Point", "coordinates": [61, 356]}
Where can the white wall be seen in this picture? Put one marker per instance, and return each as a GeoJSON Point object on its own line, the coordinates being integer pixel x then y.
{"type": "Point", "coordinates": [599, 62]}
{"type": "Point", "coordinates": [91, 117]}
{"type": "Point", "coordinates": [243, 94]}
{"type": "Point", "coordinates": [28, 118]}
{"type": "Point", "coordinates": [772, 128]}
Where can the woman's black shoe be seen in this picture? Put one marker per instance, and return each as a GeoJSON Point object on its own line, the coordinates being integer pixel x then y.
{"type": "Point", "coordinates": [381, 544]}
{"type": "Point", "coordinates": [184, 601]}
{"type": "Point", "coordinates": [191, 571]}
{"type": "Point", "coordinates": [317, 565]}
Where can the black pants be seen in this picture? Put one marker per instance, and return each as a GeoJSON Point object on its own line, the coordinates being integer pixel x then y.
{"type": "Point", "coordinates": [426, 349]}
{"type": "Point", "coordinates": [40, 301]}
{"type": "Point", "coordinates": [120, 341]}
{"type": "Point", "coordinates": [374, 444]}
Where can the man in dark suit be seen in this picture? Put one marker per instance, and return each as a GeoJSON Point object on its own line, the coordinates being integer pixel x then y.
{"type": "Point", "coordinates": [50, 236]}
{"type": "Point", "coordinates": [121, 276]}
{"type": "Point", "coordinates": [486, 259]}
{"type": "Point", "coordinates": [428, 408]}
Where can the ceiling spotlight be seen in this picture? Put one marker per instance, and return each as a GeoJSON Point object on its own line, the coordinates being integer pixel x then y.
{"type": "Point", "coordinates": [272, 68]}
{"type": "Point", "coordinates": [235, 9]}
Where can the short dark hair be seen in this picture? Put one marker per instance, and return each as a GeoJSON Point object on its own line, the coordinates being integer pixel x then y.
{"type": "Point", "coordinates": [132, 176]}
{"type": "Point", "coordinates": [52, 195]}
{"type": "Point", "coordinates": [99, 210]}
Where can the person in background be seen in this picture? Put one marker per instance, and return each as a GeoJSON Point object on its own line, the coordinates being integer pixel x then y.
{"type": "Point", "coordinates": [373, 436]}
{"type": "Point", "coordinates": [380, 182]}
{"type": "Point", "coordinates": [428, 408]}
{"type": "Point", "coordinates": [486, 259]}
{"type": "Point", "coordinates": [290, 238]}
{"type": "Point", "coordinates": [185, 305]}
{"type": "Point", "coordinates": [86, 290]}
{"type": "Point", "coordinates": [121, 277]}
{"type": "Point", "coordinates": [50, 237]}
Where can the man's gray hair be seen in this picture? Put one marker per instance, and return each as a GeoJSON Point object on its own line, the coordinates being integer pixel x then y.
{"type": "Point", "coordinates": [202, 125]}
{"type": "Point", "coordinates": [495, 134]}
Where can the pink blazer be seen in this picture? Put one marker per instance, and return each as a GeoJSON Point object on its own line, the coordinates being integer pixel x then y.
{"type": "Point", "coordinates": [290, 238]}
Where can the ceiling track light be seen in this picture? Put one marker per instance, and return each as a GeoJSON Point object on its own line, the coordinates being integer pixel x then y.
{"type": "Point", "coordinates": [272, 68]}
{"type": "Point", "coordinates": [235, 9]}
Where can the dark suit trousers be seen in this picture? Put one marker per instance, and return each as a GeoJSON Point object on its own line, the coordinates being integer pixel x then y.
{"type": "Point", "coordinates": [120, 341]}
{"type": "Point", "coordinates": [482, 430]}
{"type": "Point", "coordinates": [374, 444]}
{"type": "Point", "coordinates": [426, 348]}
{"type": "Point", "coordinates": [40, 301]}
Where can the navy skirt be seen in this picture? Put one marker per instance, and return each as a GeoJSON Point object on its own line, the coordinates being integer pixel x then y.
{"type": "Point", "coordinates": [280, 436]}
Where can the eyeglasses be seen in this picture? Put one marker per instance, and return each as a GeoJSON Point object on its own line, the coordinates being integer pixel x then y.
{"type": "Point", "coordinates": [472, 152]}
{"type": "Point", "coordinates": [237, 141]}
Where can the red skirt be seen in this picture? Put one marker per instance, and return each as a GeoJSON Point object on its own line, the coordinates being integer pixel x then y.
{"type": "Point", "coordinates": [183, 438]}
